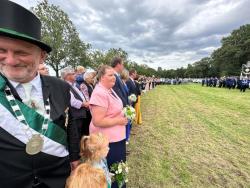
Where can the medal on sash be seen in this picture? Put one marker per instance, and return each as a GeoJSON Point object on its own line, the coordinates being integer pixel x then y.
{"type": "Point", "coordinates": [35, 143]}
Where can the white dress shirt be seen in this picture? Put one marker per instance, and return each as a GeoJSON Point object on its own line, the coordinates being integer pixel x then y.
{"type": "Point", "coordinates": [36, 94]}
{"type": "Point", "coordinates": [74, 102]}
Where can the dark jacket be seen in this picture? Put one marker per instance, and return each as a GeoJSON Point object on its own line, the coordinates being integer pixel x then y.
{"type": "Point", "coordinates": [78, 113]}
{"type": "Point", "coordinates": [131, 87]}
{"type": "Point", "coordinates": [138, 88]}
{"type": "Point", "coordinates": [120, 91]}
{"type": "Point", "coordinates": [17, 168]}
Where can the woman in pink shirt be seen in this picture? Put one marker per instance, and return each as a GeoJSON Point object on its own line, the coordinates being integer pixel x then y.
{"type": "Point", "coordinates": [107, 117]}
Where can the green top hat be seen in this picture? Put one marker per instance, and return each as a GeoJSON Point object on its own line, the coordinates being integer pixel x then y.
{"type": "Point", "coordinates": [19, 23]}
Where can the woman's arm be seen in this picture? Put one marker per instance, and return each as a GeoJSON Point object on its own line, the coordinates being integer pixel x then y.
{"type": "Point", "coordinates": [100, 120]}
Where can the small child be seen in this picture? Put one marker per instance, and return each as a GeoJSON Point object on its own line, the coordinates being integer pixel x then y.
{"type": "Point", "coordinates": [86, 176]}
{"type": "Point", "coordinates": [94, 150]}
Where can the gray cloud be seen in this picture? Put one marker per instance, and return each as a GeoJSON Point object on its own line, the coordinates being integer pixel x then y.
{"type": "Point", "coordinates": [162, 33]}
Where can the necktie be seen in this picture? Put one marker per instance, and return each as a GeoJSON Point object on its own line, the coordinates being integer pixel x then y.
{"type": "Point", "coordinates": [27, 90]}
{"type": "Point", "coordinates": [32, 101]}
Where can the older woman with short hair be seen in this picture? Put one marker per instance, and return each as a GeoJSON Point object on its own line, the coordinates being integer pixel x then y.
{"type": "Point", "coordinates": [107, 117]}
{"type": "Point", "coordinates": [88, 84]}
{"type": "Point", "coordinates": [87, 88]}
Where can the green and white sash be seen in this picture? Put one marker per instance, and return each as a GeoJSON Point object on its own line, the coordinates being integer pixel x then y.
{"type": "Point", "coordinates": [55, 138]}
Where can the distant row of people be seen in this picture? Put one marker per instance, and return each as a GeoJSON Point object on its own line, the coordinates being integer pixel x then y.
{"type": "Point", "coordinates": [227, 82]}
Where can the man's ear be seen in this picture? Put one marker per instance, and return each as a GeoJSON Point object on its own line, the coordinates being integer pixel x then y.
{"type": "Point", "coordinates": [43, 56]}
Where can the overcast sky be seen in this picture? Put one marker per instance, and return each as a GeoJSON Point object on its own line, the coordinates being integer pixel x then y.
{"type": "Point", "coordinates": [159, 33]}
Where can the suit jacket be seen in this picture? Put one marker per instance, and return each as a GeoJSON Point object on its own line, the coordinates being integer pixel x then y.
{"type": "Point", "coordinates": [17, 168]}
{"type": "Point", "coordinates": [138, 88]}
{"type": "Point", "coordinates": [120, 91]}
{"type": "Point", "coordinates": [131, 87]}
{"type": "Point", "coordinates": [58, 92]}
{"type": "Point", "coordinates": [78, 113]}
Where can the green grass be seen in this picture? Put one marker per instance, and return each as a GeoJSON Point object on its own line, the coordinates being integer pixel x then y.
{"type": "Point", "coordinates": [191, 136]}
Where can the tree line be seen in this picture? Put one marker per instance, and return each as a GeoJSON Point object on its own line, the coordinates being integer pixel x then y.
{"type": "Point", "coordinates": [69, 50]}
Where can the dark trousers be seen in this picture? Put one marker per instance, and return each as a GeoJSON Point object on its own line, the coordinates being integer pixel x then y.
{"type": "Point", "coordinates": [85, 125]}
{"type": "Point", "coordinates": [128, 129]}
{"type": "Point", "coordinates": [117, 153]}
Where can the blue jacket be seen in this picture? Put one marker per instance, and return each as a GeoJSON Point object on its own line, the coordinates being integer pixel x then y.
{"type": "Point", "coordinates": [120, 90]}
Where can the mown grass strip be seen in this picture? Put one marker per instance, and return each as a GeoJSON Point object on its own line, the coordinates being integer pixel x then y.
{"type": "Point", "coordinates": [191, 136]}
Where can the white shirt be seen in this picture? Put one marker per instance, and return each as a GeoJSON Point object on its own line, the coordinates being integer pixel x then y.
{"type": "Point", "coordinates": [36, 92]}
{"type": "Point", "coordinates": [74, 102]}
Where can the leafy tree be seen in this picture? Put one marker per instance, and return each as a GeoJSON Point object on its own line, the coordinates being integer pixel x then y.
{"type": "Point", "coordinates": [98, 57]}
{"type": "Point", "coordinates": [201, 68]}
{"type": "Point", "coordinates": [180, 72]}
{"type": "Point", "coordinates": [234, 52]}
{"type": "Point", "coordinates": [116, 52]}
{"type": "Point", "coordinates": [189, 73]}
{"type": "Point", "coordinates": [59, 32]}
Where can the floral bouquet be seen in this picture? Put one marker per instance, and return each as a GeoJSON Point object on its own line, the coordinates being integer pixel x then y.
{"type": "Point", "coordinates": [132, 97]}
{"type": "Point", "coordinates": [129, 112]}
{"type": "Point", "coordinates": [120, 173]}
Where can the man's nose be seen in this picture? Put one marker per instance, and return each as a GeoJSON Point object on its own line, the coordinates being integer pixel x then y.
{"type": "Point", "coordinates": [10, 59]}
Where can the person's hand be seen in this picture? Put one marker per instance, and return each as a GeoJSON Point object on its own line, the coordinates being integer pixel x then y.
{"type": "Point", "coordinates": [85, 104]}
{"type": "Point", "coordinates": [74, 164]}
{"type": "Point", "coordinates": [122, 121]}
{"type": "Point", "coordinates": [111, 175]}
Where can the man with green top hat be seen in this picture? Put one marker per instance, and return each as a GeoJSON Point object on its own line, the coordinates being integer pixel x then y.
{"type": "Point", "coordinates": [35, 113]}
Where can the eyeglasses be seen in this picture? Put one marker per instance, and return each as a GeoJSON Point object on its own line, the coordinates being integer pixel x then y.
{"type": "Point", "coordinates": [44, 68]}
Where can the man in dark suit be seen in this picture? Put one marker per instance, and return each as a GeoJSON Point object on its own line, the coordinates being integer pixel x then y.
{"type": "Point", "coordinates": [118, 66]}
{"type": "Point", "coordinates": [33, 137]}
{"type": "Point", "coordinates": [132, 88]}
{"type": "Point", "coordinates": [79, 106]}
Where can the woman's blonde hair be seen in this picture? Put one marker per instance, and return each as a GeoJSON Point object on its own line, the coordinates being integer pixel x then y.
{"type": "Point", "coordinates": [124, 75]}
{"type": "Point", "coordinates": [86, 176]}
{"type": "Point", "coordinates": [92, 147]}
{"type": "Point", "coordinates": [101, 71]}
{"type": "Point", "coordinates": [80, 69]}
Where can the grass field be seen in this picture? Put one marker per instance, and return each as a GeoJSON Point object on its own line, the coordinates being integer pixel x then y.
{"type": "Point", "coordinates": [191, 136]}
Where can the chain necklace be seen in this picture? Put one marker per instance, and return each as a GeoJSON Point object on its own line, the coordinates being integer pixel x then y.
{"type": "Point", "coordinates": [35, 143]}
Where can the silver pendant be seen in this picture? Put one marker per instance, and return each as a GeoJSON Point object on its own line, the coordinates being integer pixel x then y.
{"type": "Point", "coordinates": [34, 145]}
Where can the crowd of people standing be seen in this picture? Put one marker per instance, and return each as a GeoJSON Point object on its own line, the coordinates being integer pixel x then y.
{"type": "Point", "coordinates": [55, 129]}
{"type": "Point", "coordinates": [241, 83]}
{"type": "Point", "coordinates": [97, 100]}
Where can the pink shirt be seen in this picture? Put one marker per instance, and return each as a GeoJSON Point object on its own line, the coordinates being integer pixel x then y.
{"type": "Point", "coordinates": [104, 98]}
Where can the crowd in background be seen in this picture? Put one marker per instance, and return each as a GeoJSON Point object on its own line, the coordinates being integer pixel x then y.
{"type": "Point", "coordinates": [230, 82]}
{"type": "Point", "coordinates": [227, 82]}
